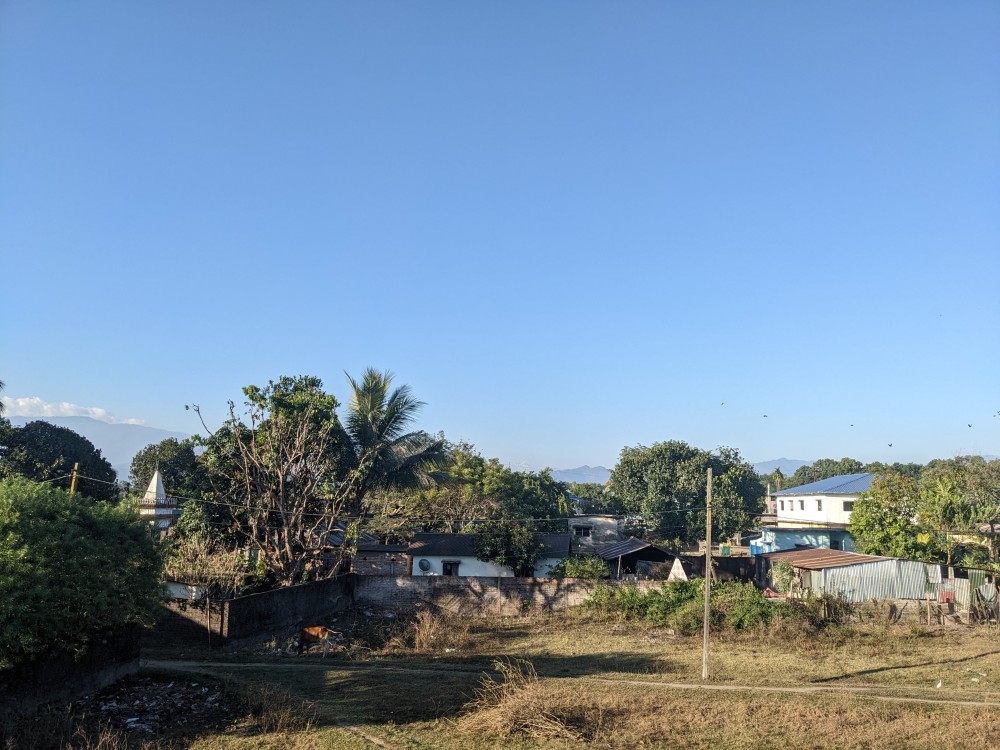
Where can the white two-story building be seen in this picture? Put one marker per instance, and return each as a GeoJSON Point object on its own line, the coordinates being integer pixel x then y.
{"type": "Point", "coordinates": [813, 515]}
{"type": "Point", "coordinates": [828, 502]}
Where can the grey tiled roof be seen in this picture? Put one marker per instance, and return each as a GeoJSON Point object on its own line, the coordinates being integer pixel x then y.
{"type": "Point", "coordinates": [620, 549]}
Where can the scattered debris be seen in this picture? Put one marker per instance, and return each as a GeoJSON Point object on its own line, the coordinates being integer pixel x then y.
{"type": "Point", "coordinates": [151, 706]}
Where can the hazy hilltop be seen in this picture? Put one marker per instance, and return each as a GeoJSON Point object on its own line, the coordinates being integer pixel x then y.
{"type": "Point", "coordinates": [118, 443]}
{"type": "Point", "coordinates": [787, 465]}
{"type": "Point", "coordinates": [583, 474]}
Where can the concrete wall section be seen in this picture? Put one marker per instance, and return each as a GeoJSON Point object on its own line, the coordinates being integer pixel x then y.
{"type": "Point", "coordinates": [474, 596]}
{"type": "Point", "coordinates": [207, 622]}
{"type": "Point", "coordinates": [304, 604]}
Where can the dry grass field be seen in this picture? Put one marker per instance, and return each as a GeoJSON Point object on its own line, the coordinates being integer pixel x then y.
{"type": "Point", "coordinates": [574, 680]}
{"type": "Point", "coordinates": [568, 681]}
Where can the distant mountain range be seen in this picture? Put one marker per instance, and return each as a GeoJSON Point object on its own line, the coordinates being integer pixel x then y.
{"type": "Point", "coordinates": [583, 474]}
{"type": "Point", "coordinates": [787, 465]}
{"type": "Point", "coordinates": [118, 443]}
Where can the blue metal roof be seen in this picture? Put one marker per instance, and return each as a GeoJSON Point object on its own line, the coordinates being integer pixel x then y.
{"type": "Point", "coordinates": [845, 484]}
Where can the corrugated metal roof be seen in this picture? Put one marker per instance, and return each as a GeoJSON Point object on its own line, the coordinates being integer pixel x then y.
{"type": "Point", "coordinates": [818, 559]}
{"type": "Point", "coordinates": [620, 549]}
{"type": "Point", "coordinates": [886, 578]}
{"type": "Point", "coordinates": [845, 484]}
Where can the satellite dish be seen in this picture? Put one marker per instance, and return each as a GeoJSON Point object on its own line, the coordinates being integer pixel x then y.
{"type": "Point", "coordinates": [424, 565]}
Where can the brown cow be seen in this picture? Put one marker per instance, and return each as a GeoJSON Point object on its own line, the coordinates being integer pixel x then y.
{"type": "Point", "coordinates": [317, 634]}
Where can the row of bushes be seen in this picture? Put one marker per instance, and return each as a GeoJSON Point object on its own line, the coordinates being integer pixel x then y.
{"type": "Point", "coordinates": [680, 605]}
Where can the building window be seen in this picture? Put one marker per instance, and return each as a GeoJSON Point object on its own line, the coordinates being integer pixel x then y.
{"type": "Point", "coordinates": [582, 531]}
{"type": "Point", "coordinates": [450, 567]}
{"type": "Point", "coordinates": [782, 504]}
{"type": "Point", "coordinates": [848, 506]}
{"type": "Point", "coordinates": [834, 544]}
{"type": "Point", "coordinates": [802, 504]}
{"type": "Point", "coordinates": [819, 503]}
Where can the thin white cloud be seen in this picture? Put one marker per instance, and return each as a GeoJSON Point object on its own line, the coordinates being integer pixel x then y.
{"type": "Point", "coordinates": [33, 406]}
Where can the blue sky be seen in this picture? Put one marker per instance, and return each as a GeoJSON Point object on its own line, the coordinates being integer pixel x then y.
{"type": "Point", "coordinates": [569, 226]}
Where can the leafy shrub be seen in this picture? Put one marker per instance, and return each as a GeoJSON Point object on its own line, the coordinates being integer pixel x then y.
{"type": "Point", "coordinates": [69, 570]}
{"type": "Point", "coordinates": [677, 593]}
{"type": "Point", "coordinates": [781, 575]}
{"type": "Point", "coordinates": [630, 601]}
{"type": "Point", "coordinates": [680, 605]}
{"type": "Point", "coordinates": [590, 567]}
{"type": "Point", "coordinates": [600, 598]}
{"type": "Point", "coordinates": [742, 605]}
{"type": "Point", "coordinates": [689, 617]}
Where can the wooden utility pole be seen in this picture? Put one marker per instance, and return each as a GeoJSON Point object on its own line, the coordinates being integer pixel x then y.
{"type": "Point", "coordinates": [708, 575]}
{"type": "Point", "coordinates": [72, 481]}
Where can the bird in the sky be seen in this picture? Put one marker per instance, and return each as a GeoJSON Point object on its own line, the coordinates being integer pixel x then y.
{"type": "Point", "coordinates": [765, 415]}
{"type": "Point", "coordinates": [890, 445]}
{"type": "Point", "coordinates": [970, 425]}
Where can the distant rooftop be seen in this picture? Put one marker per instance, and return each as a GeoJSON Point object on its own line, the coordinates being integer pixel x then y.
{"type": "Point", "coordinates": [819, 559]}
{"type": "Point", "coordinates": [845, 484]}
{"type": "Point", "coordinates": [627, 547]}
{"type": "Point", "coordinates": [464, 545]}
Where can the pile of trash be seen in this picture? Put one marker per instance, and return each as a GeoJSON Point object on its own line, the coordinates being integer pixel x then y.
{"type": "Point", "coordinates": [156, 706]}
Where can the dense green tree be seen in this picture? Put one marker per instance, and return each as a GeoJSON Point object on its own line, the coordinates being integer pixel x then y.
{"type": "Point", "coordinates": [946, 512]}
{"type": "Point", "coordinates": [45, 452]}
{"type": "Point", "coordinates": [469, 488]}
{"type": "Point", "coordinates": [182, 473]}
{"type": "Point", "coordinates": [68, 570]}
{"type": "Point", "coordinates": [884, 520]}
{"type": "Point", "coordinates": [737, 497]}
{"type": "Point", "coordinates": [531, 495]}
{"type": "Point", "coordinates": [510, 544]}
{"type": "Point", "coordinates": [776, 479]}
{"type": "Point", "coordinates": [388, 455]}
{"type": "Point", "coordinates": [463, 494]}
{"type": "Point", "coordinates": [596, 499]}
{"type": "Point", "coordinates": [666, 484]}
{"type": "Point", "coordinates": [967, 491]}
{"type": "Point", "coordinates": [913, 471]}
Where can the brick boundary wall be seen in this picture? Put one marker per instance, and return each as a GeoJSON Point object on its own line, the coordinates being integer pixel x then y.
{"type": "Point", "coordinates": [479, 596]}
{"type": "Point", "coordinates": [187, 623]}
{"type": "Point", "coordinates": [63, 678]}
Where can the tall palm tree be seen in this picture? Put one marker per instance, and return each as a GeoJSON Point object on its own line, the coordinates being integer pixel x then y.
{"type": "Point", "coordinates": [388, 455]}
{"type": "Point", "coordinates": [2, 405]}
